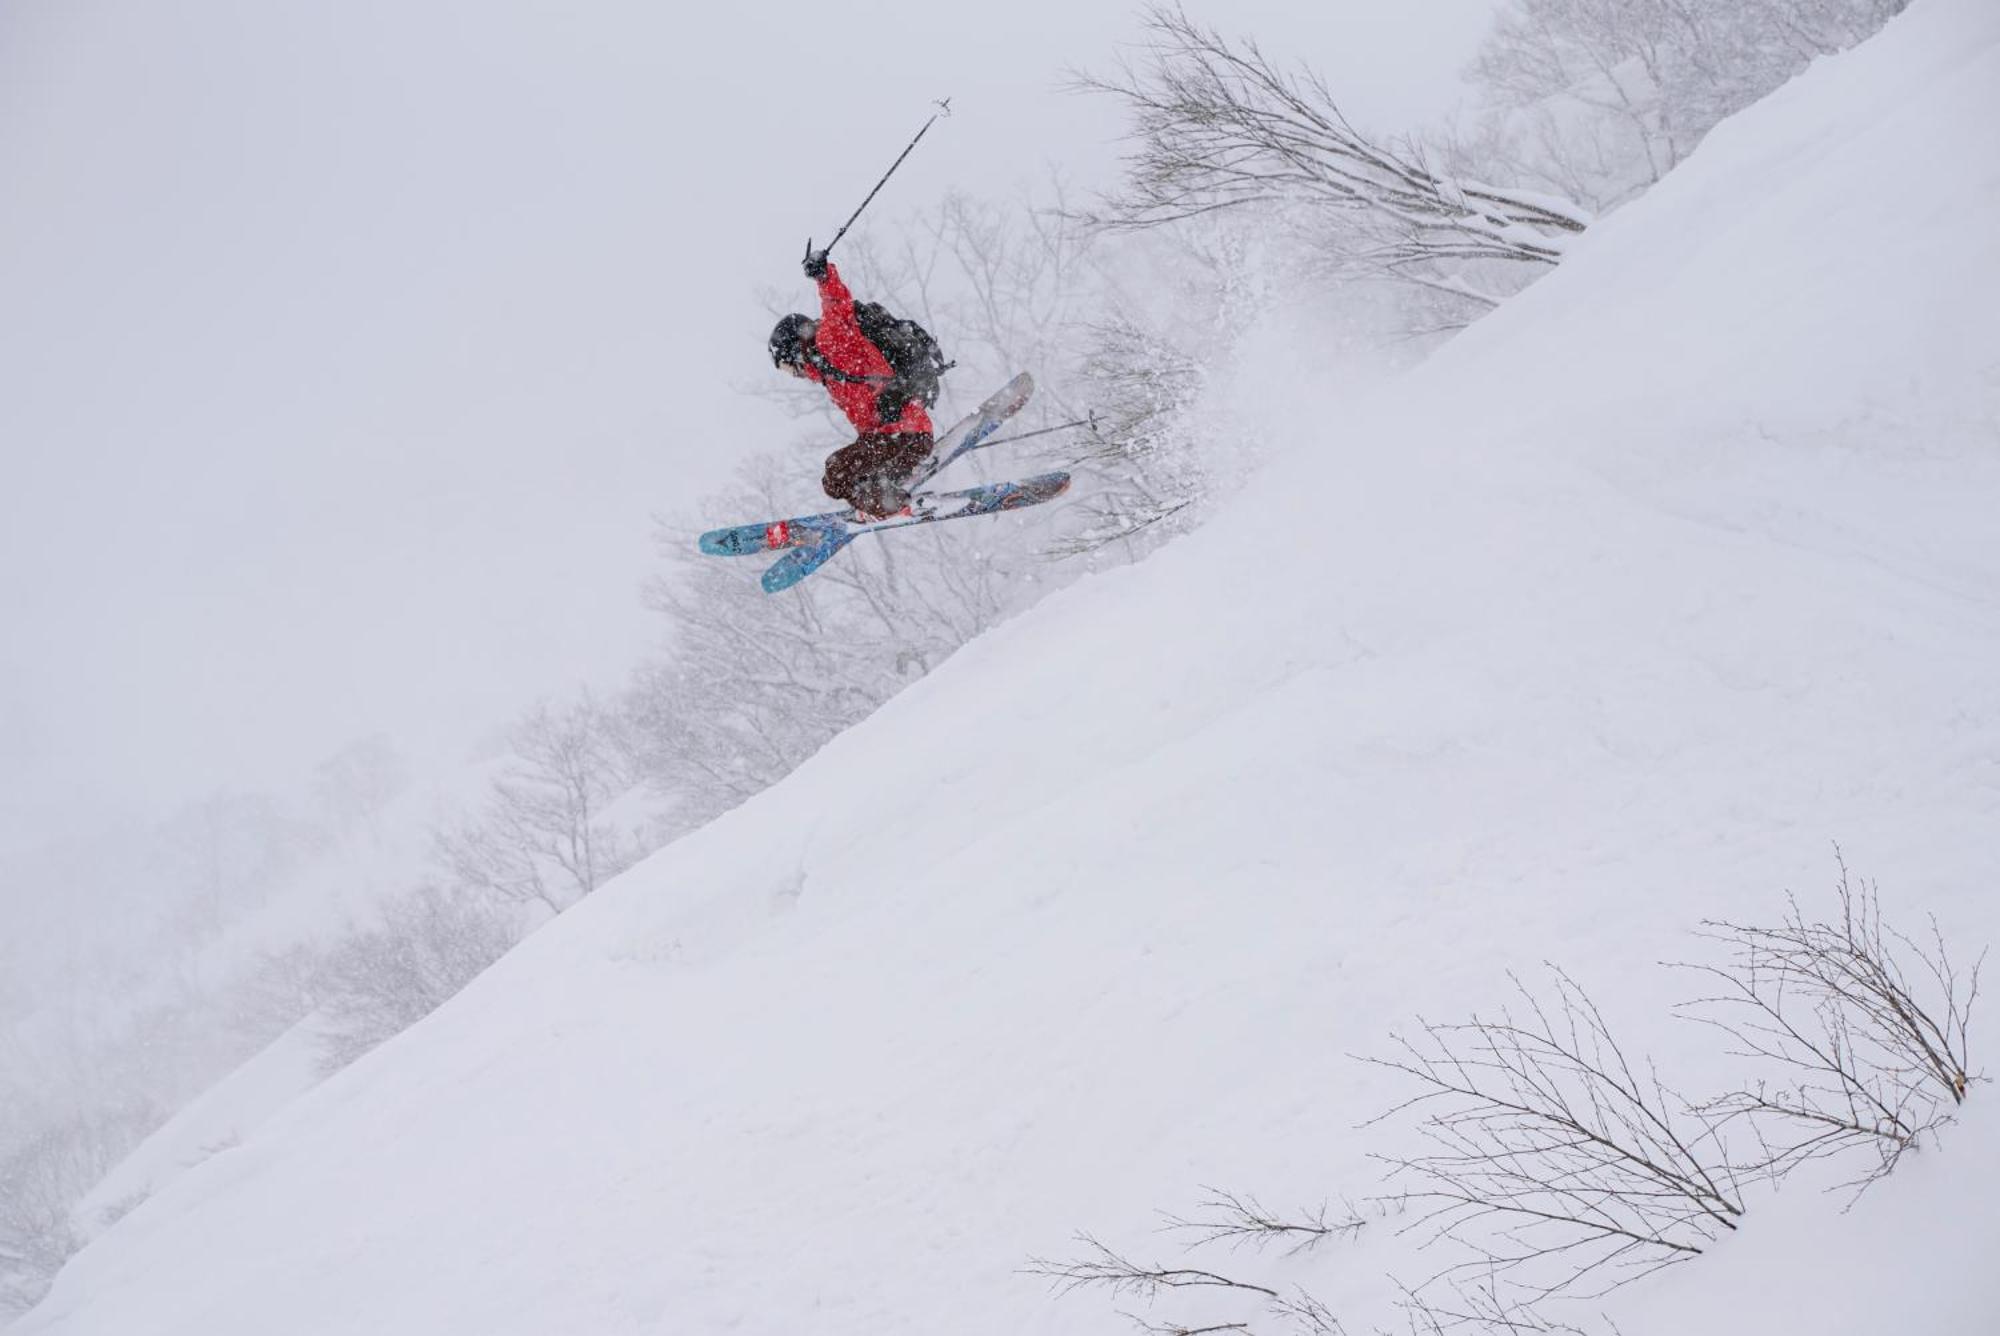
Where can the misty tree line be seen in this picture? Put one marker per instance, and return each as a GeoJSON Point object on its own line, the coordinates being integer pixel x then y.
{"type": "Point", "coordinates": [1244, 178]}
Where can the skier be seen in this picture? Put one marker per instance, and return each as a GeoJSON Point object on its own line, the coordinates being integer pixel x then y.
{"type": "Point", "coordinates": [894, 435]}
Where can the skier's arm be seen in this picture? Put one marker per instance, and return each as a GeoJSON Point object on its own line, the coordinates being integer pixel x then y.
{"type": "Point", "coordinates": [835, 301]}
{"type": "Point", "coordinates": [840, 336]}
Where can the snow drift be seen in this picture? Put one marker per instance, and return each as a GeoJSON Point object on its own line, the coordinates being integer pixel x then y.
{"type": "Point", "coordinates": [1617, 613]}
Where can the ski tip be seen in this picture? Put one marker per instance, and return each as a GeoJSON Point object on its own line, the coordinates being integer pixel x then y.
{"type": "Point", "coordinates": [723, 543]}
{"type": "Point", "coordinates": [1021, 389]}
{"type": "Point", "coordinates": [800, 562]}
{"type": "Point", "coordinates": [1044, 486]}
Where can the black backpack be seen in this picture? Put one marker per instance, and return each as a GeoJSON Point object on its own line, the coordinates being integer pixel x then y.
{"type": "Point", "coordinates": [915, 360]}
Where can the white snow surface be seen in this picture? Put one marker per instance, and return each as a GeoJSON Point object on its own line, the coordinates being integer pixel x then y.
{"type": "Point", "coordinates": [1616, 614]}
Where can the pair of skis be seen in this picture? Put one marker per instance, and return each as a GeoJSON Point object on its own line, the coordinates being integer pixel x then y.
{"type": "Point", "coordinates": [810, 541]}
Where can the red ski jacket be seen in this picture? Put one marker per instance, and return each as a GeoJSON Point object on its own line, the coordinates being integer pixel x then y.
{"type": "Point", "coordinates": [841, 342]}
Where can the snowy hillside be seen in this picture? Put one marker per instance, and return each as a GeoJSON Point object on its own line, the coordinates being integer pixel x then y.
{"type": "Point", "coordinates": [1616, 614]}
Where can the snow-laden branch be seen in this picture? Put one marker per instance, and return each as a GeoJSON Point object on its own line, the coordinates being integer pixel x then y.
{"type": "Point", "coordinates": [1220, 126]}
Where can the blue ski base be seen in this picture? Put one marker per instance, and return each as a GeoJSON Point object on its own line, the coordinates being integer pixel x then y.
{"type": "Point", "coordinates": [822, 540]}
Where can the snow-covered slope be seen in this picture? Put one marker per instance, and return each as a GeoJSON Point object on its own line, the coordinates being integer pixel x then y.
{"type": "Point", "coordinates": [1617, 613]}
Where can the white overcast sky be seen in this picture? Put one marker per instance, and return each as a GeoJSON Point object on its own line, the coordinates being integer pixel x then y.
{"type": "Point", "coordinates": [347, 348]}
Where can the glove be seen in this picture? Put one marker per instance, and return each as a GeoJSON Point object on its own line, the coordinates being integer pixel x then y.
{"type": "Point", "coordinates": [815, 265]}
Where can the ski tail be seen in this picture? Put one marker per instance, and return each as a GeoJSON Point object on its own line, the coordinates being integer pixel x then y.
{"type": "Point", "coordinates": [743, 540]}
{"type": "Point", "coordinates": [800, 562]}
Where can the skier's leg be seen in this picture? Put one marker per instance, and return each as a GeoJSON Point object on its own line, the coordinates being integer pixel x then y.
{"type": "Point", "coordinates": [843, 468]}
{"type": "Point", "coordinates": [888, 492]}
{"type": "Point", "coordinates": [907, 451]}
{"type": "Point", "coordinates": [870, 474]}
{"type": "Point", "coordinates": [857, 473]}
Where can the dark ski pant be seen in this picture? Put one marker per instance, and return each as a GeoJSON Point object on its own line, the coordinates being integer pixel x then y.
{"type": "Point", "coordinates": [871, 472]}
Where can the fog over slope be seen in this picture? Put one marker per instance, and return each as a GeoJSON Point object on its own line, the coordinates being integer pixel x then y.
{"type": "Point", "coordinates": [1616, 614]}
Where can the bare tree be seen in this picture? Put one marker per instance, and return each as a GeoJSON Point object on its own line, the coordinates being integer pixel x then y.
{"type": "Point", "coordinates": [1601, 98]}
{"type": "Point", "coordinates": [1555, 1161]}
{"type": "Point", "coordinates": [40, 1184]}
{"type": "Point", "coordinates": [543, 835]}
{"type": "Point", "coordinates": [379, 982]}
{"type": "Point", "coordinates": [277, 991]}
{"type": "Point", "coordinates": [1003, 283]}
{"type": "Point", "coordinates": [1221, 126]}
{"type": "Point", "coordinates": [1869, 1028]}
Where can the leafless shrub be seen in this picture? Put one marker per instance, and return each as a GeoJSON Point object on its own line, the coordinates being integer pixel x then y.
{"type": "Point", "coordinates": [1555, 1162]}
{"type": "Point", "coordinates": [1868, 1026]}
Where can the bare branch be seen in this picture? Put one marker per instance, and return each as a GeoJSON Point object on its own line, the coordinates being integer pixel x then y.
{"type": "Point", "coordinates": [1102, 1266]}
{"type": "Point", "coordinates": [1235, 1218]}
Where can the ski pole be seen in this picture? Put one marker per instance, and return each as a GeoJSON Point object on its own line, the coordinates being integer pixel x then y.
{"type": "Point", "coordinates": [943, 109]}
{"type": "Point", "coordinates": [1090, 422]}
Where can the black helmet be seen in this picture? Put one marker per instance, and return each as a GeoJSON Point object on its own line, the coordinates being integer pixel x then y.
{"type": "Point", "coordinates": [789, 339]}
